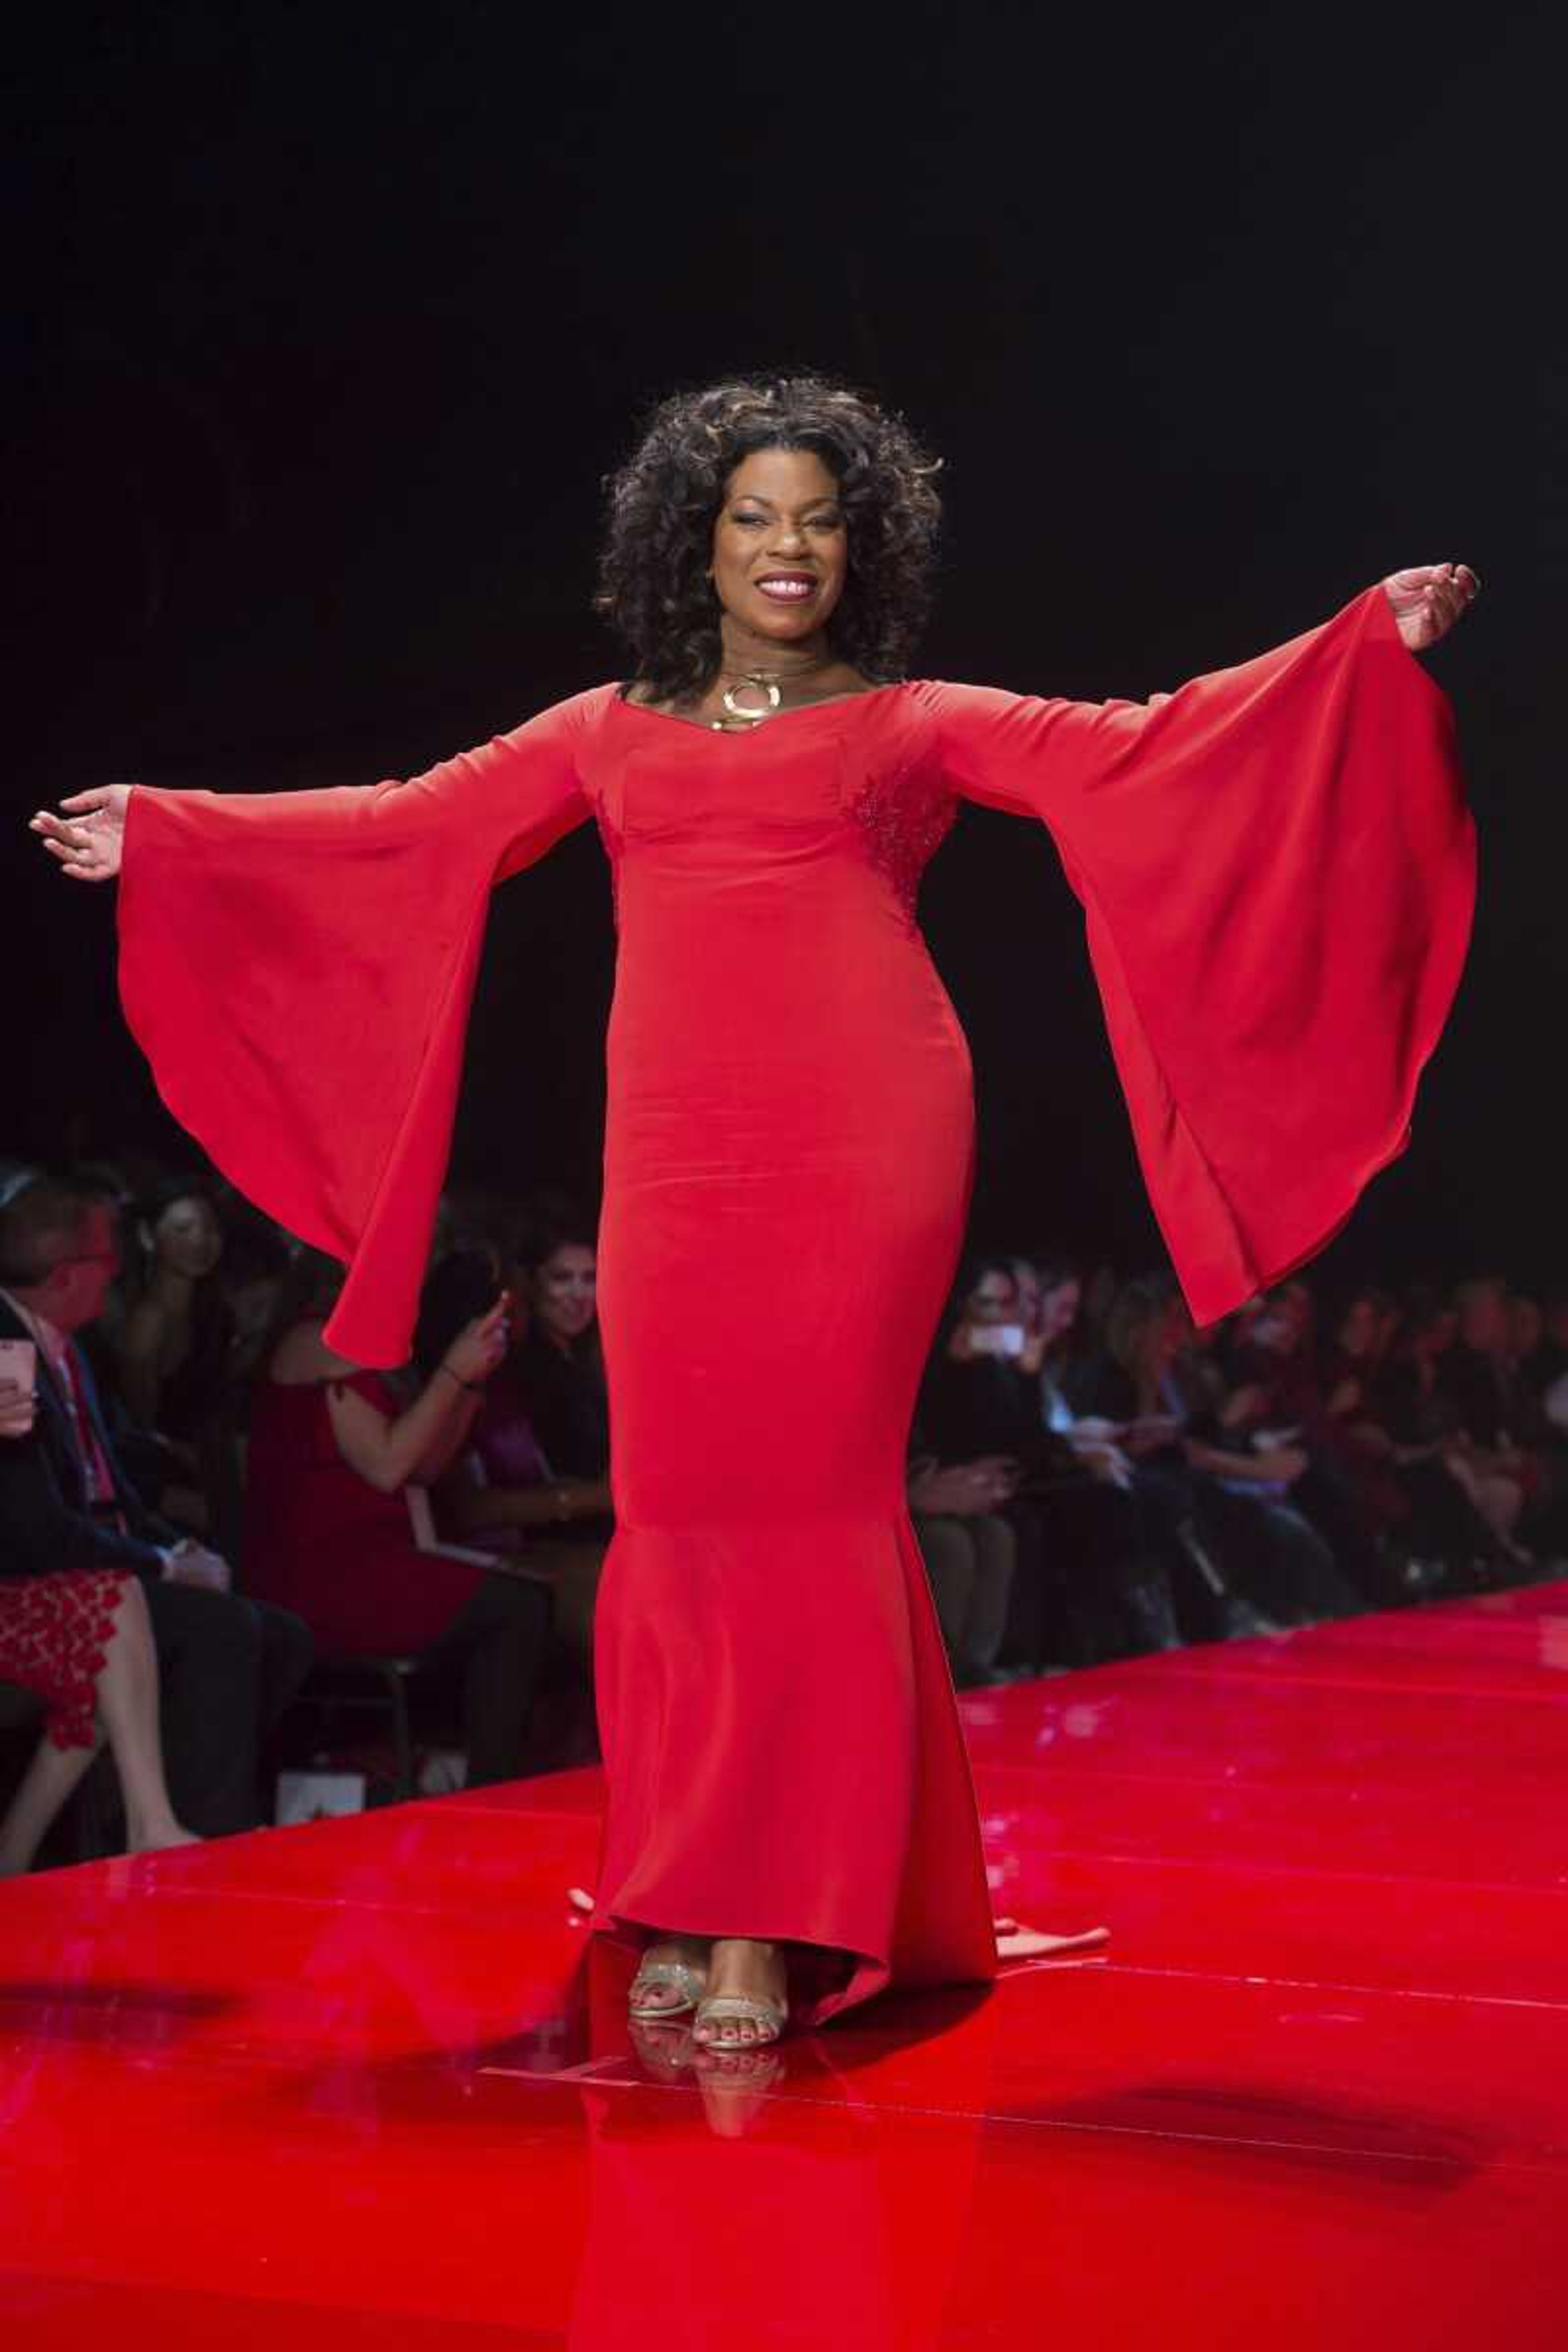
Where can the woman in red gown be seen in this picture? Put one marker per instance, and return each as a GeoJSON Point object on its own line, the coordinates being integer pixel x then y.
{"type": "Point", "coordinates": [1277, 870]}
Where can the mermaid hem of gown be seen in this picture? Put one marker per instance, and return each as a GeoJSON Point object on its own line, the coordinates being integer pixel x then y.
{"type": "Point", "coordinates": [701, 1851]}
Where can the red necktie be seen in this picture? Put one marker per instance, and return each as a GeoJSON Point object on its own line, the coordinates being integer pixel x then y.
{"type": "Point", "coordinates": [95, 1462]}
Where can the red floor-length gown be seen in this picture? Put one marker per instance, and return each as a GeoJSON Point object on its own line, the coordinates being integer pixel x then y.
{"type": "Point", "coordinates": [1277, 869]}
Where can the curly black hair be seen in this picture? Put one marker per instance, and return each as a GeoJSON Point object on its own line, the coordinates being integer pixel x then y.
{"type": "Point", "coordinates": [662, 504]}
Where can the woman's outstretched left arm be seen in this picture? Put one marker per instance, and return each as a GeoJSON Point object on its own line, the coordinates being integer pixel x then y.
{"type": "Point", "coordinates": [1277, 867]}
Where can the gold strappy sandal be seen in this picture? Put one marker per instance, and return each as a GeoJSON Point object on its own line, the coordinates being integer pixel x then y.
{"type": "Point", "coordinates": [683, 1976]}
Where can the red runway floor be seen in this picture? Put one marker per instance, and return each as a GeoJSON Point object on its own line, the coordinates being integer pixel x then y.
{"type": "Point", "coordinates": [357, 2085]}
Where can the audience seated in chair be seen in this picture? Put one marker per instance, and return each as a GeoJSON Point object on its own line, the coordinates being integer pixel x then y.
{"type": "Point", "coordinates": [175, 1349]}
{"type": "Point", "coordinates": [1407, 1424]}
{"type": "Point", "coordinates": [1090, 1582]}
{"type": "Point", "coordinates": [81, 1641]}
{"type": "Point", "coordinates": [957, 1510]}
{"type": "Point", "coordinates": [228, 1668]}
{"type": "Point", "coordinates": [334, 1451]}
{"type": "Point", "coordinates": [500, 1491]}
{"type": "Point", "coordinates": [1505, 1441]}
{"type": "Point", "coordinates": [1259, 1562]}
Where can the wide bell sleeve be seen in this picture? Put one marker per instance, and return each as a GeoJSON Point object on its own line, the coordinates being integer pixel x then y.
{"type": "Point", "coordinates": [1278, 872]}
{"type": "Point", "coordinates": [298, 969]}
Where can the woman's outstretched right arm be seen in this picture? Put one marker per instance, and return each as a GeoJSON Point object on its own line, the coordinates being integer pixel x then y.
{"type": "Point", "coordinates": [297, 968]}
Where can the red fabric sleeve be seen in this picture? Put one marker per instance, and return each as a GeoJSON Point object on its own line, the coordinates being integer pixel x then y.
{"type": "Point", "coordinates": [298, 968]}
{"type": "Point", "coordinates": [1278, 872]}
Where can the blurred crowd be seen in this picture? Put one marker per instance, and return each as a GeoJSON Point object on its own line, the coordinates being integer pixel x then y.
{"type": "Point", "coordinates": [218, 1538]}
{"type": "Point", "coordinates": [1095, 1477]}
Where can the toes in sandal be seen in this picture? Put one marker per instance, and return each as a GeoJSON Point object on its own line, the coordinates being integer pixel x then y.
{"type": "Point", "coordinates": [722, 2008]}
{"type": "Point", "coordinates": [682, 1976]}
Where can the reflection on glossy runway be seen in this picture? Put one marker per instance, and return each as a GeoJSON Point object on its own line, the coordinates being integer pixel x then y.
{"type": "Point", "coordinates": [368, 2084]}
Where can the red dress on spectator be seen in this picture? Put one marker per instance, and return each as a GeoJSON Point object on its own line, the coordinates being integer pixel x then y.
{"type": "Point", "coordinates": [1276, 871]}
{"type": "Point", "coordinates": [54, 1636]}
{"type": "Point", "coordinates": [323, 1542]}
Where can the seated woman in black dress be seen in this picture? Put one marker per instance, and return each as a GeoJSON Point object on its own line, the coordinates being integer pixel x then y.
{"type": "Point", "coordinates": [558, 1363]}
{"type": "Point", "coordinates": [1408, 1422]}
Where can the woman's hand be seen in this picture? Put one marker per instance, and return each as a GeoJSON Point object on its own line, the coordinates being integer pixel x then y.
{"type": "Point", "coordinates": [577, 1499]}
{"type": "Point", "coordinates": [1427, 600]}
{"type": "Point", "coordinates": [90, 847]}
{"type": "Point", "coordinates": [1108, 1462]}
{"type": "Point", "coordinates": [962, 1490]}
{"type": "Point", "coordinates": [479, 1345]}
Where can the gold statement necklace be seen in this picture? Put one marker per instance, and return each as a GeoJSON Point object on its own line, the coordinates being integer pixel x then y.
{"type": "Point", "coordinates": [765, 682]}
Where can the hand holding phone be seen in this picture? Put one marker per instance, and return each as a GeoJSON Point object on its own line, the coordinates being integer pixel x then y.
{"type": "Point", "coordinates": [18, 1387]}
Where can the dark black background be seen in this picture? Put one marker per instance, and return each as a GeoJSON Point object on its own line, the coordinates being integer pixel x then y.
{"type": "Point", "coordinates": [330, 321]}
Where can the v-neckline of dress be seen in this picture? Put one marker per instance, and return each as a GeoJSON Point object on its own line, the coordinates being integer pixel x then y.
{"type": "Point", "coordinates": [802, 710]}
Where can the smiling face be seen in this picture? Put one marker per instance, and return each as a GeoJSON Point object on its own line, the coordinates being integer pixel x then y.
{"type": "Point", "coordinates": [564, 1292]}
{"type": "Point", "coordinates": [994, 1300]}
{"type": "Point", "coordinates": [781, 551]}
{"type": "Point", "coordinates": [188, 1238]}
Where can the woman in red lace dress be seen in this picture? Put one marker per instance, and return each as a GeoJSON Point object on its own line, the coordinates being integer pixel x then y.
{"type": "Point", "coordinates": [1277, 870]}
{"type": "Point", "coordinates": [81, 1641]}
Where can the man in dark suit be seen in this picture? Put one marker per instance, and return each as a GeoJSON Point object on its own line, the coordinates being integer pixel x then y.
{"type": "Point", "coordinates": [228, 1665]}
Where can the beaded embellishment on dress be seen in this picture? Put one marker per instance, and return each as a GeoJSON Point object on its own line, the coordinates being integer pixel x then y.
{"type": "Point", "coordinates": [905, 815]}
